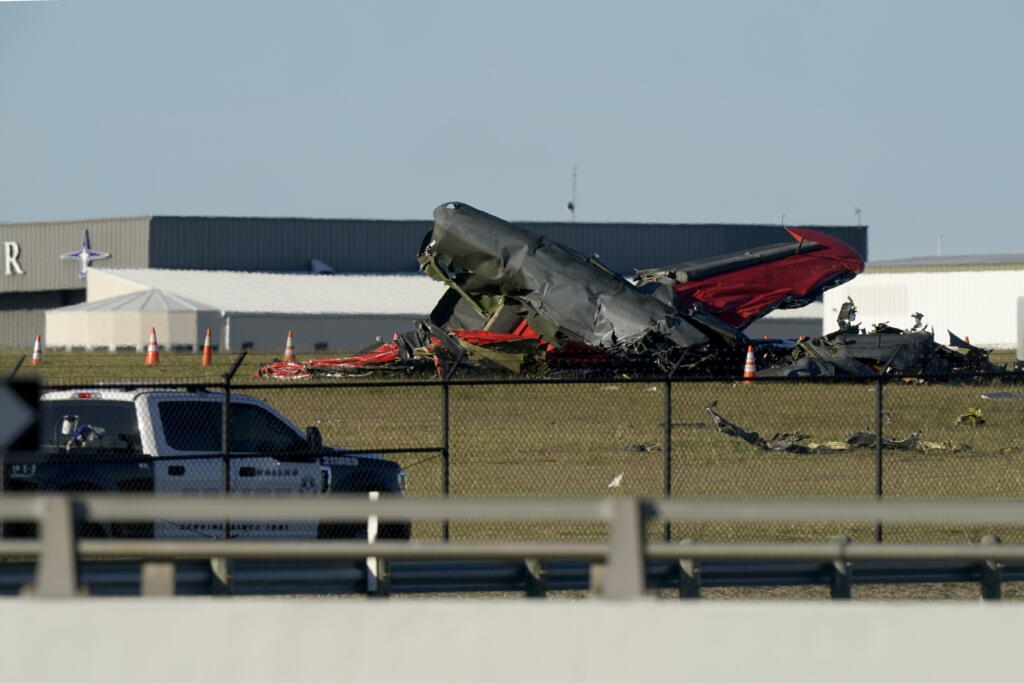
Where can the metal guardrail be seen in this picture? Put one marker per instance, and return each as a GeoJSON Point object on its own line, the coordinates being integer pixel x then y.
{"type": "Point", "coordinates": [620, 567]}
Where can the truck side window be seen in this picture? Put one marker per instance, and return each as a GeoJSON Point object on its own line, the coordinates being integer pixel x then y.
{"type": "Point", "coordinates": [195, 426]}
{"type": "Point", "coordinates": [191, 425]}
{"type": "Point", "coordinates": [117, 419]}
{"type": "Point", "coordinates": [255, 430]}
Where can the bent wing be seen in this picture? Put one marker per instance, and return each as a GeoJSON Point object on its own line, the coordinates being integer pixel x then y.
{"type": "Point", "coordinates": [741, 287]}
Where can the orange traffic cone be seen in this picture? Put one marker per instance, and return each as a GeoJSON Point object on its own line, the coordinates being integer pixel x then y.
{"type": "Point", "coordinates": [749, 369]}
{"type": "Point", "coordinates": [289, 349]}
{"type": "Point", "coordinates": [152, 353]}
{"type": "Point", "coordinates": [207, 351]}
{"type": "Point", "coordinates": [37, 352]}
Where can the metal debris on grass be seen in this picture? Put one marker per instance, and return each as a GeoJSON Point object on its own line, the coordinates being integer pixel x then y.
{"type": "Point", "coordinates": [795, 442]}
{"type": "Point", "coordinates": [972, 418]}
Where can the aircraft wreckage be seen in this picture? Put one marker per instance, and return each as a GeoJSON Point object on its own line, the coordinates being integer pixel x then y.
{"type": "Point", "coordinates": [518, 302]}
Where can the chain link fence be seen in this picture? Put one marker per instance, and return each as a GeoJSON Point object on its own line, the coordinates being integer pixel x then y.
{"type": "Point", "coordinates": [812, 439]}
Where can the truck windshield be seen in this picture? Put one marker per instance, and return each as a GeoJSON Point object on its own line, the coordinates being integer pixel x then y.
{"type": "Point", "coordinates": [195, 426]}
{"type": "Point", "coordinates": [111, 424]}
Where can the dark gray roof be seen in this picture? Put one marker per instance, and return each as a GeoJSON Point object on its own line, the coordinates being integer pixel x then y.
{"type": "Point", "coordinates": [390, 246]}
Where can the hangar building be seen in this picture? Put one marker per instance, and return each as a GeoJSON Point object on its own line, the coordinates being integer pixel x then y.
{"type": "Point", "coordinates": [972, 296]}
{"type": "Point", "coordinates": [45, 264]}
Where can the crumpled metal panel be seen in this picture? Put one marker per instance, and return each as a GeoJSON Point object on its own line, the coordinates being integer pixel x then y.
{"type": "Point", "coordinates": [563, 295]}
{"type": "Point", "coordinates": [741, 287]}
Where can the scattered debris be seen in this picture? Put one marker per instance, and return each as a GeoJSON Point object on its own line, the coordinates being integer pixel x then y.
{"type": "Point", "coordinates": [791, 441]}
{"type": "Point", "coordinates": [644, 447]}
{"type": "Point", "coordinates": [1002, 394]}
{"type": "Point", "coordinates": [972, 418]}
{"type": "Point", "coordinates": [829, 446]}
{"type": "Point", "coordinates": [947, 446]}
{"type": "Point", "coordinates": [616, 481]}
{"type": "Point", "coordinates": [870, 440]}
{"type": "Point", "coordinates": [849, 352]}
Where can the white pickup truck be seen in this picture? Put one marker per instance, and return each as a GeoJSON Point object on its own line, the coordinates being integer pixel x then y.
{"type": "Point", "coordinates": [167, 441]}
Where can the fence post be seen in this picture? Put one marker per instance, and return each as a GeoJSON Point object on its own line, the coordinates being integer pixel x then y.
{"type": "Point", "coordinates": [445, 423]}
{"type": "Point", "coordinates": [667, 450]}
{"type": "Point", "coordinates": [220, 567]}
{"type": "Point", "coordinates": [225, 426]}
{"type": "Point", "coordinates": [667, 454]}
{"type": "Point", "coordinates": [445, 459]}
{"type": "Point", "coordinates": [991, 573]}
{"type": "Point", "coordinates": [57, 564]}
{"type": "Point", "coordinates": [878, 451]}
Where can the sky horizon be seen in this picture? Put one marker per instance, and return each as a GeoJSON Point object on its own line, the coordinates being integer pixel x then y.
{"type": "Point", "coordinates": [737, 112]}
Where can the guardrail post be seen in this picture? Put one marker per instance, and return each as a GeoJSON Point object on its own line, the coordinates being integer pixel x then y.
{"type": "Point", "coordinates": [840, 582]}
{"type": "Point", "coordinates": [689, 576]}
{"type": "Point", "coordinates": [536, 578]}
{"type": "Point", "coordinates": [991, 573]}
{"type": "Point", "coordinates": [625, 576]}
{"type": "Point", "coordinates": [383, 579]}
{"type": "Point", "coordinates": [57, 564]}
{"type": "Point", "coordinates": [158, 579]}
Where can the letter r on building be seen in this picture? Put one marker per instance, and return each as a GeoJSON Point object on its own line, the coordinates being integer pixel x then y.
{"type": "Point", "coordinates": [11, 253]}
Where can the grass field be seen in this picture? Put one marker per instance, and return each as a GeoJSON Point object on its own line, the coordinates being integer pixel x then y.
{"type": "Point", "coordinates": [574, 439]}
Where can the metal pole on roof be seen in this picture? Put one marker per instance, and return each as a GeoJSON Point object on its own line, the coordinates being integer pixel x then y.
{"type": "Point", "coordinates": [571, 206]}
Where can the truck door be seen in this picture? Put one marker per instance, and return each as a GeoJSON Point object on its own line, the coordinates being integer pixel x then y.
{"type": "Point", "coordinates": [192, 429]}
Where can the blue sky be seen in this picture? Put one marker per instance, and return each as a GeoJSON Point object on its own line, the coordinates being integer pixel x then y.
{"type": "Point", "coordinates": [673, 112]}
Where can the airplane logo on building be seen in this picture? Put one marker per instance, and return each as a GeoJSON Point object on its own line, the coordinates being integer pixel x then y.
{"type": "Point", "coordinates": [85, 255]}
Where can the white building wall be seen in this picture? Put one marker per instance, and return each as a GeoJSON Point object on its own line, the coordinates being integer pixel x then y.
{"type": "Point", "coordinates": [268, 332]}
{"type": "Point", "coordinates": [106, 285]}
{"type": "Point", "coordinates": [980, 304]}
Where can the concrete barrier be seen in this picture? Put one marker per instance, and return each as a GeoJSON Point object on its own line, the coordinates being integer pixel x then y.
{"type": "Point", "coordinates": [256, 640]}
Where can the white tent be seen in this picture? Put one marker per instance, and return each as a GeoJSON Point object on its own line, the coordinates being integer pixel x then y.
{"type": "Point", "coordinates": [124, 321]}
